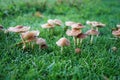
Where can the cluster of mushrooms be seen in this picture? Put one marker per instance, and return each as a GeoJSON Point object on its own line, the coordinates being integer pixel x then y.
{"type": "Point", "coordinates": [72, 29]}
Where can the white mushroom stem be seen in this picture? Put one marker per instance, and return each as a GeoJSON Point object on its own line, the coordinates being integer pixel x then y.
{"type": "Point", "coordinates": [24, 45]}
{"type": "Point", "coordinates": [75, 41]}
{"type": "Point", "coordinates": [91, 40]}
{"type": "Point", "coordinates": [81, 41]}
{"type": "Point", "coordinates": [97, 30]}
{"type": "Point", "coordinates": [78, 41]}
{"type": "Point", "coordinates": [61, 50]}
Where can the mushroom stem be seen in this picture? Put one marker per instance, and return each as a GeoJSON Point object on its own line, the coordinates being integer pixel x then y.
{"type": "Point", "coordinates": [78, 41]}
{"type": "Point", "coordinates": [91, 40]}
{"type": "Point", "coordinates": [61, 50]}
{"type": "Point", "coordinates": [97, 30]}
{"type": "Point", "coordinates": [81, 41]}
{"type": "Point", "coordinates": [24, 45]}
{"type": "Point", "coordinates": [75, 41]}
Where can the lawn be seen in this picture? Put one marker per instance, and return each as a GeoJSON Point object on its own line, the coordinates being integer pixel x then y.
{"type": "Point", "coordinates": [96, 61]}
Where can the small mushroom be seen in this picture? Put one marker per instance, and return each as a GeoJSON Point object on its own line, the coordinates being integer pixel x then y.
{"type": "Point", "coordinates": [81, 36]}
{"type": "Point", "coordinates": [114, 48]}
{"type": "Point", "coordinates": [18, 29]}
{"type": "Point", "coordinates": [116, 33]}
{"type": "Point", "coordinates": [41, 42]}
{"type": "Point", "coordinates": [57, 22]}
{"type": "Point", "coordinates": [118, 26]}
{"type": "Point", "coordinates": [77, 26]}
{"type": "Point", "coordinates": [50, 21]}
{"type": "Point", "coordinates": [77, 50]}
{"type": "Point", "coordinates": [92, 32]}
{"type": "Point", "coordinates": [29, 36]}
{"type": "Point", "coordinates": [74, 33]}
{"type": "Point", "coordinates": [63, 42]}
{"type": "Point", "coordinates": [68, 24]}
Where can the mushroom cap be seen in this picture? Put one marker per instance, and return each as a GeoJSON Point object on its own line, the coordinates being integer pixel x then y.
{"type": "Point", "coordinates": [73, 32]}
{"type": "Point", "coordinates": [92, 32]}
{"type": "Point", "coordinates": [47, 25]}
{"type": "Point", "coordinates": [77, 26]}
{"type": "Point", "coordinates": [82, 36]}
{"type": "Point", "coordinates": [118, 25]}
{"type": "Point", "coordinates": [57, 22]}
{"type": "Point", "coordinates": [116, 33]}
{"type": "Point", "coordinates": [69, 23]}
{"type": "Point", "coordinates": [18, 29]}
{"type": "Point", "coordinates": [98, 24]}
{"type": "Point", "coordinates": [30, 35]}
{"type": "Point", "coordinates": [77, 50]}
{"type": "Point", "coordinates": [1, 27]}
{"type": "Point", "coordinates": [63, 42]}
{"type": "Point", "coordinates": [50, 21]}
{"type": "Point", "coordinates": [41, 42]}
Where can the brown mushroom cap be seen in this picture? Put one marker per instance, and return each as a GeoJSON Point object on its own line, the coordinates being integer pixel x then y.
{"type": "Point", "coordinates": [73, 32]}
{"type": "Point", "coordinates": [63, 42]}
{"type": "Point", "coordinates": [41, 42]}
{"type": "Point", "coordinates": [47, 25]}
{"type": "Point", "coordinates": [81, 35]}
{"type": "Point", "coordinates": [69, 23]}
{"type": "Point", "coordinates": [57, 22]}
{"type": "Point", "coordinates": [77, 26]}
{"type": "Point", "coordinates": [30, 35]}
{"type": "Point", "coordinates": [18, 29]}
{"type": "Point", "coordinates": [116, 33]}
{"type": "Point", "coordinates": [92, 32]}
{"type": "Point", "coordinates": [77, 50]}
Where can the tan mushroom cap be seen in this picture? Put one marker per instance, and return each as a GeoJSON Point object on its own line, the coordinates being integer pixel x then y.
{"type": "Point", "coordinates": [18, 29]}
{"type": "Point", "coordinates": [81, 35]}
{"type": "Point", "coordinates": [63, 42]}
{"type": "Point", "coordinates": [118, 25]}
{"type": "Point", "coordinates": [73, 32]}
{"type": "Point", "coordinates": [57, 22]}
{"type": "Point", "coordinates": [69, 23]}
{"type": "Point", "coordinates": [98, 24]}
{"type": "Point", "coordinates": [30, 35]}
{"type": "Point", "coordinates": [116, 33]}
{"type": "Point", "coordinates": [92, 32]}
{"type": "Point", "coordinates": [41, 42]}
{"type": "Point", "coordinates": [77, 50]}
{"type": "Point", "coordinates": [50, 21]}
{"type": "Point", "coordinates": [77, 26]}
{"type": "Point", "coordinates": [47, 25]}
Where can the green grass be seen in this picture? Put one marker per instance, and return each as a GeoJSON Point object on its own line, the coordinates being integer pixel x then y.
{"type": "Point", "coordinates": [95, 62]}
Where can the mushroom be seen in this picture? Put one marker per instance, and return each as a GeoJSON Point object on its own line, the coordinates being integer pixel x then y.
{"type": "Point", "coordinates": [74, 33]}
{"type": "Point", "coordinates": [57, 22]}
{"type": "Point", "coordinates": [77, 50]}
{"type": "Point", "coordinates": [116, 33]}
{"type": "Point", "coordinates": [92, 32]}
{"type": "Point", "coordinates": [77, 26]}
{"type": "Point", "coordinates": [81, 36]}
{"type": "Point", "coordinates": [67, 24]}
{"type": "Point", "coordinates": [48, 26]}
{"type": "Point", "coordinates": [41, 42]}
{"type": "Point", "coordinates": [29, 36]}
{"type": "Point", "coordinates": [19, 29]}
{"type": "Point", "coordinates": [63, 42]}
{"type": "Point", "coordinates": [118, 26]}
